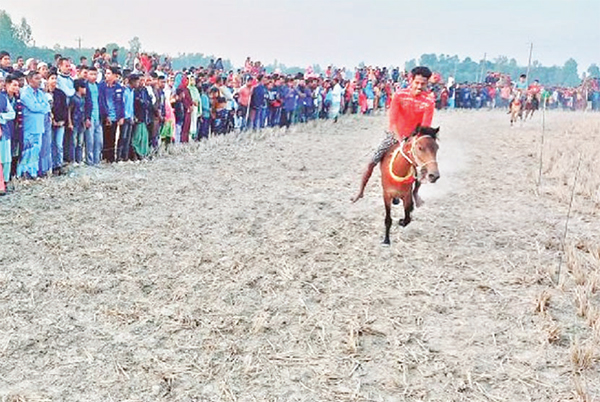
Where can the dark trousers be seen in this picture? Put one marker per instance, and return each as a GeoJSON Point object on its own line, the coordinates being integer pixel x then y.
{"type": "Point", "coordinates": [110, 137]}
{"type": "Point", "coordinates": [274, 116]}
{"type": "Point", "coordinates": [123, 148]}
{"type": "Point", "coordinates": [205, 123]}
{"type": "Point", "coordinates": [68, 146]}
{"type": "Point", "coordinates": [154, 133]}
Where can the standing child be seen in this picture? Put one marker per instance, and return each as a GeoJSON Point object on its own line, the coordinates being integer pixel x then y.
{"type": "Point", "coordinates": [205, 122]}
{"type": "Point", "coordinates": [77, 120]}
{"type": "Point", "coordinates": [167, 130]}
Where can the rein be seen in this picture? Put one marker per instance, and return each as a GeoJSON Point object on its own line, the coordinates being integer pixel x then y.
{"type": "Point", "coordinates": [410, 175]}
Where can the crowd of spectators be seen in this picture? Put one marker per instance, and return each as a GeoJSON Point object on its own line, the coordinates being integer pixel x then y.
{"type": "Point", "coordinates": [497, 90]}
{"type": "Point", "coordinates": [99, 109]}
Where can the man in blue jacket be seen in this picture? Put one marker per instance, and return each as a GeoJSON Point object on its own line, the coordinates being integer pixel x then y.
{"type": "Point", "coordinates": [35, 108]}
{"type": "Point", "coordinates": [112, 111]}
{"type": "Point", "coordinates": [290, 98]}
{"type": "Point", "coordinates": [258, 103]}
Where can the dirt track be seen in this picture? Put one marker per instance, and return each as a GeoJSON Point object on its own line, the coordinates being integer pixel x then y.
{"type": "Point", "coordinates": [239, 270]}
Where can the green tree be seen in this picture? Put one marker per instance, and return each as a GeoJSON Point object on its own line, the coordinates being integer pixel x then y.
{"type": "Point", "coordinates": [594, 71]}
{"type": "Point", "coordinates": [135, 45]}
{"type": "Point", "coordinates": [23, 32]}
{"type": "Point", "coordinates": [9, 38]}
{"type": "Point", "coordinates": [570, 74]}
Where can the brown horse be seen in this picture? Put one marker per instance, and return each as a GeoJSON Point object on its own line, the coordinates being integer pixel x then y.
{"type": "Point", "coordinates": [516, 110]}
{"type": "Point", "coordinates": [403, 168]}
{"type": "Point", "coordinates": [532, 104]}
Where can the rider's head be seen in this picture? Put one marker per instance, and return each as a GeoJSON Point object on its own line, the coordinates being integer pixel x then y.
{"type": "Point", "coordinates": [523, 77]}
{"type": "Point", "coordinates": [420, 78]}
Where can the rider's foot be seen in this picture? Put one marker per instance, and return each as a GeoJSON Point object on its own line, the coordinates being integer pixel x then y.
{"type": "Point", "coordinates": [395, 201]}
{"type": "Point", "coordinates": [356, 197]}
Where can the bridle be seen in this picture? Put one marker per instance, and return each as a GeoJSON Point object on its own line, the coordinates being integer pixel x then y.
{"type": "Point", "coordinates": [415, 162]}
{"type": "Point", "coordinates": [416, 165]}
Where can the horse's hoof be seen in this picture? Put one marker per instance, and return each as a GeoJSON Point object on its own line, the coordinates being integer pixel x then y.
{"type": "Point", "coordinates": [404, 223]}
{"type": "Point", "coordinates": [386, 242]}
{"type": "Point", "coordinates": [419, 202]}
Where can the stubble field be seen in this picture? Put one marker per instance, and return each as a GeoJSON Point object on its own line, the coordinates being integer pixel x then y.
{"type": "Point", "coordinates": [238, 270]}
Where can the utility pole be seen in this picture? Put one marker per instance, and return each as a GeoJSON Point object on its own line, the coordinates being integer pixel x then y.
{"type": "Point", "coordinates": [78, 40]}
{"type": "Point", "coordinates": [482, 68]}
{"type": "Point", "coordinates": [529, 64]}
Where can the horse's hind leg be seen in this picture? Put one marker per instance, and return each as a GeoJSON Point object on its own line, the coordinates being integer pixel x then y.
{"type": "Point", "coordinates": [387, 200]}
{"type": "Point", "coordinates": [408, 208]}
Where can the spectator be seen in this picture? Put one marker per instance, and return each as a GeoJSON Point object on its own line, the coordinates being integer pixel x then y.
{"type": "Point", "coordinates": [111, 111]}
{"type": "Point", "coordinates": [258, 104]}
{"type": "Point", "coordinates": [143, 115]}
{"type": "Point", "coordinates": [93, 136]}
{"type": "Point", "coordinates": [124, 144]}
{"type": "Point", "coordinates": [35, 110]}
{"type": "Point", "coordinates": [7, 116]}
{"type": "Point", "coordinates": [77, 121]}
{"type": "Point", "coordinates": [5, 64]}
{"type": "Point", "coordinates": [59, 119]}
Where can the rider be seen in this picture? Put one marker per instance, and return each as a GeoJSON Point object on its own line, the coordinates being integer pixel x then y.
{"type": "Point", "coordinates": [410, 107]}
{"type": "Point", "coordinates": [519, 91]}
{"type": "Point", "coordinates": [521, 85]}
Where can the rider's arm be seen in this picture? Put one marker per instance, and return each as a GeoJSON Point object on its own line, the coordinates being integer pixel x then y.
{"type": "Point", "coordinates": [393, 114]}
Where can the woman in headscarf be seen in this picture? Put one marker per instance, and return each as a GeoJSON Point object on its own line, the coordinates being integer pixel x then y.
{"type": "Point", "coordinates": [167, 130]}
{"type": "Point", "coordinates": [195, 94]}
{"type": "Point", "coordinates": [184, 96]}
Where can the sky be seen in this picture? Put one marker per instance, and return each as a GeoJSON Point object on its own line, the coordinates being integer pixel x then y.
{"type": "Point", "coordinates": [338, 32]}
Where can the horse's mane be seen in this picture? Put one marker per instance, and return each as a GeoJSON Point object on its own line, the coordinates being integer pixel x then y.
{"type": "Point", "coordinates": [424, 130]}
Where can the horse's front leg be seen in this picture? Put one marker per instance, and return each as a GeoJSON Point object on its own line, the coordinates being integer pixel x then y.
{"type": "Point", "coordinates": [416, 197]}
{"type": "Point", "coordinates": [407, 200]}
{"type": "Point", "coordinates": [387, 200]}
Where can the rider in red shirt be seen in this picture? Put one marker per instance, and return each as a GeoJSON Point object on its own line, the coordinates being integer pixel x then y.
{"type": "Point", "coordinates": [411, 107]}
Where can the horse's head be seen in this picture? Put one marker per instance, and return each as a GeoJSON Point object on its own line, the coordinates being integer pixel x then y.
{"type": "Point", "coordinates": [424, 151]}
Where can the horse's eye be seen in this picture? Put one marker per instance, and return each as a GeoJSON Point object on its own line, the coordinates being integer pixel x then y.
{"type": "Point", "coordinates": [421, 149]}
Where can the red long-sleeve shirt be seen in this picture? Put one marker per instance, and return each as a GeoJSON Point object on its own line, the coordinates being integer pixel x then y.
{"type": "Point", "coordinates": [408, 111]}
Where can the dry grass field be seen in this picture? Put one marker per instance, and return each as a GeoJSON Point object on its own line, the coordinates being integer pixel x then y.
{"type": "Point", "coordinates": [238, 270]}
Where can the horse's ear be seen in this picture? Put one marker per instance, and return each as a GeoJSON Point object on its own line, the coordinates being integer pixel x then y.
{"type": "Point", "coordinates": [417, 130]}
{"type": "Point", "coordinates": [436, 130]}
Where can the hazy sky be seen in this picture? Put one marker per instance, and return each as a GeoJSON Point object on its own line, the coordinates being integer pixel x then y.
{"type": "Point", "coordinates": [340, 32]}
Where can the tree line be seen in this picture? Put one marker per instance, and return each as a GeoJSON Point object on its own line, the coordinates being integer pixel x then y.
{"type": "Point", "coordinates": [17, 39]}
{"type": "Point", "coordinates": [472, 71]}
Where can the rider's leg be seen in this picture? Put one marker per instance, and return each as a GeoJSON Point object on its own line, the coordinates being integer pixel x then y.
{"type": "Point", "coordinates": [383, 148]}
{"type": "Point", "coordinates": [365, 179]}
